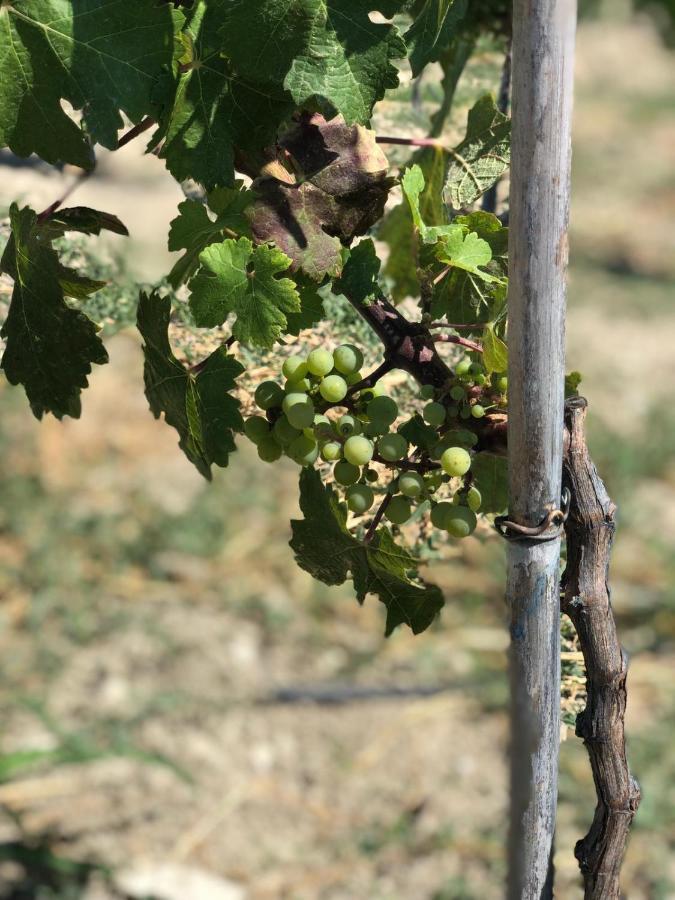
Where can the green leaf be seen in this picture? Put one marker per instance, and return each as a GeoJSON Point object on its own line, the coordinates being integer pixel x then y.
{"type": "Point", "coordinates": [413, 185]}
{"type": "Point", "coordinates": [482, 157]}
{"type": "Point", "coordinates": [208, 110]}
{"type": "Point", "coordinates": [490, 474]}
{"type": "Point", "coordinates": [102, 57]}
{"type": "Point", "coordinates": [467, 252]}
{"type": "Point", "coordinates": [311, 306]}
{"type": "Point", "coordinates": [495, 351]}
{"type": "Point", "coordinates": [572, 382]}
{"type": "Point", "coordinates": [326, 52]}
{"type": "Point", "coordinates": [196, 402]}
{"type": "Point", "coordinates": [236, 277]}
{"type": "Point", "coordinates": [324, 547]}
{"type": "Point", "coordinates": [50, 348]}
{"type": "Point", "coordinates": [193, 229]}
{"type": "Point", "coordinates": [359, 279]}
{"type": "Point", "coordinates": [82, 219]}
{"type": "Point", "coordinates": [417, 432]}
{"type": "Point", "coordinates": [432, 31]}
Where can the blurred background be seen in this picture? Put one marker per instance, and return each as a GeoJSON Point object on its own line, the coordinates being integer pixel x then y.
{"type": "Point", "coordinates": [185, 714]}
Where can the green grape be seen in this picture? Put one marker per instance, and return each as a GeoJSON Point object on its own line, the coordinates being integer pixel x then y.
{"type": "Point", "coordinates": [256, 429]}
{"type": "Point", "coordinates": [331, 451]}
{"type": "Point", "coordinates": [457, 392]}
{"type": "Point", "coordinates": [299, 386]}
{"type": "Point", "coordinates": [480, 380]}
{"type": "Point", "coordinates": [347, 358]}
{"type": "Point", "coordinates": [473, 498]}
{"type": "Point", "coordinates": [299, 410]}
{"type": "Point", "coordinates": [399, 509]}
{"type": "Point", "coordinates": [476, 369]}
{"type": "Point", "coordinates": [284, 432]}
{"type": "Point", "coordinates": [383, 410]}
{"type": "Point", "coordinates": [463, 366]}
{"type": "Point", "coordinates": [323, 427]}
{"type": "Point", "coordinates": [360, 498]}
{"type": "Point", "coordinates": [465, 412]}
{"type": "Point", "coordinates": [375, 429]}
{"type": "Point", "coordinates": [348, 425]}
{"type": "Point", "coordinates": [303, 450]}
{"type": "Point", "coordinates": [453, 410]}
{"type": "Point", "coordinates": [333, 388]}
{"type": "Point", "coordinates": [269, 450]}
{"type": "Point", "coordinates": [461, 523]}
{"type": "Point", "coordinates": [345, 473]}
{"type": "Point", "coordinates": [434, 480]}
{"type": "Point", "coordinates": [427, 392]}
{"type": "Point", "coordinates": [502, 384]}
{"type": "Point", "coordinates": [411, 484]}
{"type": "Point", "coordinates": [392, 447]}
{"type": "Point", "coordinates": [477, 411]}
{"type": "Point", "coordinates": [377, 390]}
{"type": "Point", "coordinates": [440, 515]}
{"type": "Point", "coordinates": [294, 368]}
{"type": "Point", "coordinates": [268, 394]}
{"type": "Point", "coordinates": [434, 414]}
{"type": "Point", "coordinates": [455, 461]}
{"type": "Point", "coordinates": [372, 475]}
{"type": "Point", "coordinates": [358, 450]}
{"type": "Point", "coordinates": [354, 378]}
{"type": "Point", "coordinates": [320, 362]}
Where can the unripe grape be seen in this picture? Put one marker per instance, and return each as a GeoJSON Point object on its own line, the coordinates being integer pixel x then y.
{"type": "Point", "coordinates": [455, 461]}
{"type": "Point", "coordinates": [457, 392]}
{"type": "Point", "coordinates": [377, 390]}
{"type": "Point", "coordinates": [411, 484]}
{"type": "Point", "coordinates": [427, 392]}
{"type": "Point", "coordinates": [473, 498]}
{"type": "Point", "coordinates": [284, 432]}
{"type": "Point", "coordinates": [256, 429]}
{"type": "Point", "coordinates": [477, 411]}
{"type": "Point", "coordinates": [476, 369]}
{"type": "Point", "coordinates": [347, 359]}
{"type": "Point", "coordinates": [333, 388]}
{"type": "Point", "coordinates": [480, 380]}
{"type": "Point", "coordinates": [299, 410]}
{"type": "Point", "coordinates": [358, 450]}
{"type": "Point", "coordinates": [268, 394]}
{"type": "Point", "coordinates": [299, 386]}
{"type": "Point", "coordinates": [331, 451]}
{"type": "Point", "coordinates": [463, 366]}
{"type": "Point", "coordinates": [345, 473]}
{"type": "Point", "coordinates": [323, 428]}
{"type": "Point", "coordinates": [461, 523]}
{"type": "Point", "coordinates": [502, 384]}
{"type": "Point", "coordinates": [354, 378]}
{"type": "Point", "coordinates": [320, 362]}
{"type": "Point", "coordinates": [348, 425]}
{"type": "Point", "coordinates": [434, 414]}
{"type": "Point", "coordinates": [440, 514]}
{"type": "Point", "coordinates": [465, 412]}
{"type": "Point", "coordinates": [399, 509]}
{"type": "Point", "coordinates": [372, 475]}
{"type": "Point", "coordinates": [375, 429]}
{"type": "Point", "coordinates": [269, 450]}
{"type": "Point", "coordinates": [303, 450]}
{"type": "Point", "coordinates": [452, 410]}
{"type": "Point", "coordinates": [382, 410]}
{"type": "Point", "coordinates": [360, 498]}
{"type": "Point", "coordinates": [434, 480]}
{"type": "Point", "coordinates": [294, 368]}
{"type": "Point", "coordinates": [392, 447]}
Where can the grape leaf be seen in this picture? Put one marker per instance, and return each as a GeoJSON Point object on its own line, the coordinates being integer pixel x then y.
{"type": "Point", "coordinates": [413, 184]}
{"type": "Point", "coordinates": [495, 351]}
{"type": "Point", "coordinates": [417, 432]}
{"type": "Point", "coordinates": [208, 111]}
{"type": "Point", "coordinates": [465, 251]}
{"type": "Point", "coordinates": [326, 51]}
{"type": "Point", "coordinates": [197, 402]}
{"type": "Point", "coordinates": [482, 157]}
{"type": "Point", "coordinates": [102, 57]}
{"type": "Point", "coordinates": [359, 276]}
{"type": "Point", "coordinates": [324, 547]}
{"type": "Point", "coordinates": [432, 31]}
{"type": "Point", "coordinates": [50, 347]}
{"type": "Point", "coordinates": [193, 229]}
{"type": "Point", "coordinates": [311, 306]}
{"type": "Point", "coordinates": [236, 277]}
{"type": "Point", "coordinates": [490, 475]}
{"type": "Point", "coordinates": [82, 219]}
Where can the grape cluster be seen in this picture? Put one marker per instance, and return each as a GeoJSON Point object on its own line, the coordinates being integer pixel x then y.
{"type": "Point", "coordinates": [326, 412]}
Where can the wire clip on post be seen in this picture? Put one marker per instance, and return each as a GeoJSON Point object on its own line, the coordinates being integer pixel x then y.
{"type": "Point", "coordinates": [549, 529]}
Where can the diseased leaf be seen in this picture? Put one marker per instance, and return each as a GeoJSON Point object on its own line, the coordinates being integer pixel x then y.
{"type": "Point", "coordinates": [102, 57]}
{"type": "Point", "coordinates": [50, 348]}
{"type": "Point", "coordinates": [324, 547]}
{"type": "Point", "coordinates": [432, 31]}
{"type": "Point", "coordinates": [197, 403]}
{"type": "Point", "coordinates": [326, 52]}
{"type": "Point", "coordinates": [193, 229]}
{"type": "Point", "coordinates": [336, 191]}
{"type": "Point", "coordinates": [236, 277]}
{"type": "Point", "coordinates": [491, 478]}
{"type": "Point", "coordinates": [495, 351]}
{"type": "Point", "coordinates": [482, 157]}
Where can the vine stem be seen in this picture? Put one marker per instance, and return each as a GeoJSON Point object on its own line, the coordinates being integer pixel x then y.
{"type": "Point", "coordinates": [410, 465]}
{"type": "Point", "coordinates": [585, 598]}
{"type": "Point", "coordinates": [377, 518]}
{"type": "Point", "coordinates": [410, 142]}
{"type": "Point", "coordinates": [456, 339]}
{"type": "Point", "coordinates": [144, 125]}
{"type": "Point", "coordinates": [458, 326]}
{"type": "Point", "coordinates": [372, 379]}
